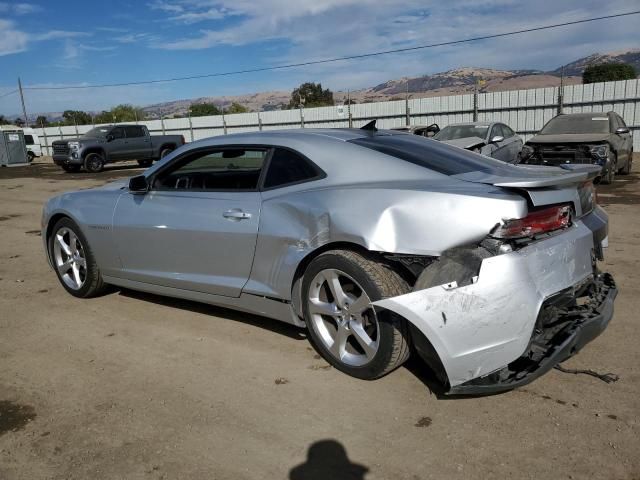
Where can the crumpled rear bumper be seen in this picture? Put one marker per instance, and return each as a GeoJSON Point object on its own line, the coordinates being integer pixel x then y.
{"type": "Point", "coordinates": [481, 329]}
{"type": "Point", "coordinates": [562, 329]}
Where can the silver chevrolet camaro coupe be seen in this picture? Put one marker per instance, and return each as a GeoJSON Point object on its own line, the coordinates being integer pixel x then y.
{"type": "Point", "coordinates": [379, 243]}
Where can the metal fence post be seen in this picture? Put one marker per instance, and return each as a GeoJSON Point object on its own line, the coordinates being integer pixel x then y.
{"type": "Point", "coordinates": [475, 102]}
{"type": "Point", "coordinates": [44, 134]}
{"type": "Point", "coordinates": [561, 92]}
{"type": "Point", "coordinates": [60, 131]}
{"type": "Point", "coordinates": [259, 122]}
{"type": "Point", "coordinates": [349, 109]}
{"type": "Point", "coordinates": [162, 122]}
{"type": "Point", "coordinates": [301, 116]}
{"type": "Point", "coordinates": [190, 126]}
{"type": "Point", "coordinates": [75, 124]}
{"type": "Point", "coordinates": [224, 123]}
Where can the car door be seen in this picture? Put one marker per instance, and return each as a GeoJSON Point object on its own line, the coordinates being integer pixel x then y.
{"type": "Point", "coordinates": [138, 143]}
{"type": "Point", "coordinates": [500, 149]}
{"type": "Point", "coordinates": [117, 144]}
{"type": "Point", "coordinates": [513, 141]}
{"type": "Point", "coordinates": [196, 228]}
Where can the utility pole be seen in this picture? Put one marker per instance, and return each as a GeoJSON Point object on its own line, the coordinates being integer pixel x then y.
{"type": "Point", "coordinates": [406, 105]}
{"type": "Point", "coordinates": [561, 92]}
{"type": "Point", "coordinates": [349, 108]}
{"type": "Point", "coordinates": [24, 109]}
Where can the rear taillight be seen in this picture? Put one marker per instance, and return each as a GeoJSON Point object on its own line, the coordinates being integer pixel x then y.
{"type": "Point", "coordinates": [537, 222]}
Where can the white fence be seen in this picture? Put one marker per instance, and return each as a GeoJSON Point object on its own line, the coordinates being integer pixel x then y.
{"type": "Point", "coordinates": [526, 111]}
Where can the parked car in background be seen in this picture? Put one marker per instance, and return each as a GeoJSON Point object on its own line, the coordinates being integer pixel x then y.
{"type": "Point", "coordinates": [102, 145]}
{"type": "Point", "coordinates": [32, 142]}
{"type": "Point", "coordinates": [422, 130]}
{"type": "Point", "coordinates": [495, 140]}
{"type": "Point", "coordinates": [379, 243]}
{"type": "Point", "coordinates": [596, 138]}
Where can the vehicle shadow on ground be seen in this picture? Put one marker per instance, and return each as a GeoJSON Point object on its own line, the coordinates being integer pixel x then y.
{"type": "Point", "coordinates": [50, 171]}
{"type": "Point", "coordinates": [266, 323]}
{"type": "Point", "coordinates": [327, 459]}
{"type": "Point", "coordinates": [415, 365]}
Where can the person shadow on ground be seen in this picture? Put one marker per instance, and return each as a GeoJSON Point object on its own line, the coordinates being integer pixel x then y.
{"type": "Point", "coordinates": [327, 460]}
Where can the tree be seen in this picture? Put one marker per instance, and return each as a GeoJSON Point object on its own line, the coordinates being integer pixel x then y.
{"type": "Point", "coordinates": [41, 120]}
{"type": "Point", "coordinates": [120, 113]}
{"type": "Point", "coordinates": [236, 108]}
{"type": "Point", "coordinates": [203, 109]}
{"type": "Point", "coordinates": [76, 117]}
{"type": "Point", "coordinates": [311, 95]}
{"type": "Point", "coordinates": [19, 122]}
{"type": "Point", "coordinates": [608, 72]}
{"type": "Point", "coordinates": [4, 121]}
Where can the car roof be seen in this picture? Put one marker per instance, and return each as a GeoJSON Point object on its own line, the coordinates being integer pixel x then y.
{"type": "Point", "coordinates": [587, 114]}
{"type": "Point", "coordinates": [459, 124]}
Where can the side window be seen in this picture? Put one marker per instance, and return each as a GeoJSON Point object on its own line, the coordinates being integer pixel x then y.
{"type": "Point", "coordinates": [228, 169]}
{"type": "Point", "coordinates": [117, 132]}
{"type": "Point", "coordinates": [496, 131]}
{"type": "Point", "coordinates": [508, 133]}
{"type": "Point", "coordinates": [287, 167]}
{"type": "Point", "coordinates": [28, 139]}
{"type": "Point", "coordinates": [134, 131]}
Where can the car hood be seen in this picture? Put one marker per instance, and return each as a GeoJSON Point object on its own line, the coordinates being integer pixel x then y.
{"type": "Point", "coordinates": [570, 138]}
{"type": "Point", "coordinates": [467, 142]}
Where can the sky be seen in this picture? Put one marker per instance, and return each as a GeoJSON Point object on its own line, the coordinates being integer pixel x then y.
{"type": "Point", "coordinates": [80, 42]}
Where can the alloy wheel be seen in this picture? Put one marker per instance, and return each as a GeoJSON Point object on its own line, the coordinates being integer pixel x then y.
{"type": "Point", "coordinates": [343, 317]}
{"type": "Point", "coordinates": [69, 257]}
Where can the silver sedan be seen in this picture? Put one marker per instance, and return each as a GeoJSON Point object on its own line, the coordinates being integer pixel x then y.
{"type": "Point", "coordinates": [495, 140]}
{"type": "Point", "coordinates": [379, 243]}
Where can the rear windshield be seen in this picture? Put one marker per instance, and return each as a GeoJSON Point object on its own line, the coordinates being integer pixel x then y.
{"type": "Point", "coordinates": [452, 132]}
{"type": "Point", "coordinates": [583, 124]}
{"type": "Point", "coordinates": [427, 153]}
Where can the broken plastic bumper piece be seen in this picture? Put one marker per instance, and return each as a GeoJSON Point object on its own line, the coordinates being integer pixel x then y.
{"type": "Point", "coordinates": [566, 323]}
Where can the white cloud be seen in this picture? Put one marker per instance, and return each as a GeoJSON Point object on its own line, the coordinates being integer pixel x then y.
{"type": "Point", "coordinates": [12, 40]}
{"type": "Point", "coordinates": [18, 8]}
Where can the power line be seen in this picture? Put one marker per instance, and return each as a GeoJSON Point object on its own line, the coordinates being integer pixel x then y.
{"type": "Point", "coordinates": [8, 93]}
{"type": "Point", "coordinates": [338, 59]}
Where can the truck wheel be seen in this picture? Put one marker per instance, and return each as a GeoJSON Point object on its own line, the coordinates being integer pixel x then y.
{"type": "Point", "coordinates": [71, 168]}
{"type": "Point", "coordinates": [338, 288]}
{"type": "Point", "coordinates": [145, 163]}
{"type": "Point", "coordinates": [165, 151]}
{"type": "Point", "coordinates": [610, 174]}
{"type": "Point", "coordinates": [30, 156]}
{"type": "Point", "coordinates": [94, 163]}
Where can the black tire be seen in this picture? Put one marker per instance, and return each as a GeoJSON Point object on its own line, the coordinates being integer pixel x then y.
{"type": "Point", "coordinates": [378, 281]}
{"type": "Point", "coordinates": [94, 163]}
{"type": "Point", "coordinates": [165, 151]}
{"type": "Point", "coordinates": [93, 284]}
{"type": "Point", "coordinates": [145, 163]}
{"type": "Point", "coordinates": [626, 170]}
{"type": "Point", "coordinates": [610, 173]}
{"type": "Point", "coordinates": [71, 168]}
{"type": "Point", "coordinates": [30, 156]}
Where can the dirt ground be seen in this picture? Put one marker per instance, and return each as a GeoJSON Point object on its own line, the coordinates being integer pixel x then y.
{"type": "Point", "coordinates": [136, 386]}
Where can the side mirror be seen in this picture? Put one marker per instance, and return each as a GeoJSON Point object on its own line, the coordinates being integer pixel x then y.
{"type": "Point", "coordinates": [110, 137]}
{"type": "Point", "coordinates": [138, 184]}
{"type": "Point", "coordinates": [622, 130]}
{"type": "Point", "coordinates": [496, 139]}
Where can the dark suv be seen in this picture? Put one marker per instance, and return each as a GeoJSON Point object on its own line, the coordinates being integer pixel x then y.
{"type": "Point", "coordinates": [598, 138]}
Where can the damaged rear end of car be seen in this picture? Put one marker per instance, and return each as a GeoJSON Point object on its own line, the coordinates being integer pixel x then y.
{"type": "Point", "coordinates": [497, 313]}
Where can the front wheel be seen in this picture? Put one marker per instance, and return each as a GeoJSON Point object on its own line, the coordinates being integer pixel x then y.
{"type": "Point", "coordinates": [94, 163]}
{"type": "Point", "coordinates": [73, 260]}
{"type": "Point", "coordinates": [71, 168]}
{"type": "Point", "coordinates": [338, 289]}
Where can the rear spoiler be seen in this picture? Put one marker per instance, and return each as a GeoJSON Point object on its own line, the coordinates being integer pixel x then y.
{"type": "Point", "coordinates": [541, 176]}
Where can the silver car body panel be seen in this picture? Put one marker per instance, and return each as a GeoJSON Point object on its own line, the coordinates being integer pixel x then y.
{"type": "Point", "coordinates": [176, 243]}
{"type": "Point", "coordinates": [479, 328]}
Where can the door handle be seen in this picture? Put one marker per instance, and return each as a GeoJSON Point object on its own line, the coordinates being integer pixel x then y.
{"type": "Point", "coordinates": [236, 214]}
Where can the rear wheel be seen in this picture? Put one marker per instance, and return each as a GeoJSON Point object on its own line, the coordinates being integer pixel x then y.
{"type": "Point", "coordinates": [338, 288]}
{"type": "Point", "coordinates": [94, 163]}
{"type": "Point", "coordinates": [73, 260]}
{"type": "Point", "coordinates": [165, 151]}
{"type": "Point", "coordinates": [145, 163]}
